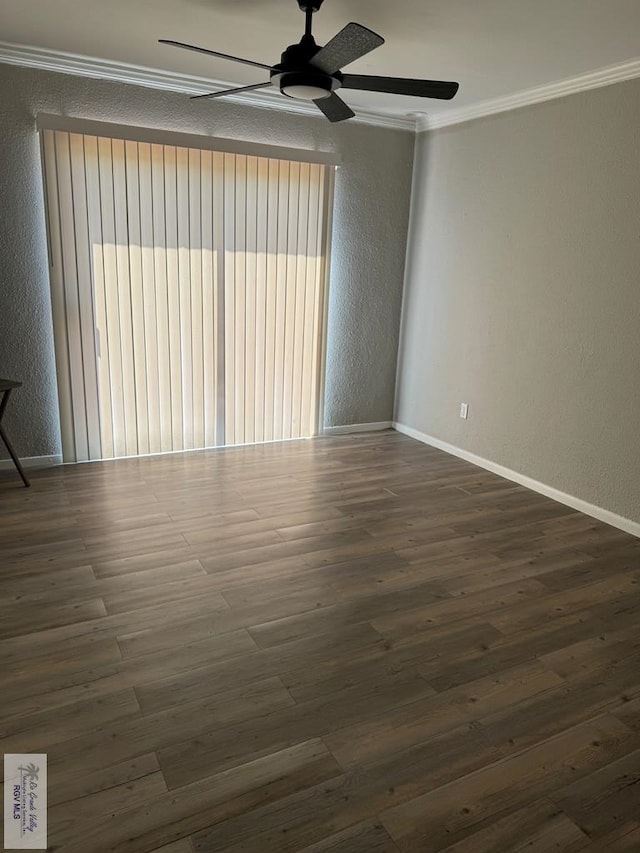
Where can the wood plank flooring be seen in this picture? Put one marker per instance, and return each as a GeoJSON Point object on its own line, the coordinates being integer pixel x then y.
{"type": "Point", "coordinates": [354, 644]}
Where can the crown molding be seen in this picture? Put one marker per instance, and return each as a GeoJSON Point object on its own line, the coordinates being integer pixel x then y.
{"type": "Point", "coordinates": [172, 81]}
{"type": "Point", "coordinates": [582, 83]}
{"type": "Point", "coordinates": [45, 59]}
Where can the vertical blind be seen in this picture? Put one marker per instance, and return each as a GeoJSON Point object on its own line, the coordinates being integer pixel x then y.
{"type": "Point", "coordinates": [188, 294]}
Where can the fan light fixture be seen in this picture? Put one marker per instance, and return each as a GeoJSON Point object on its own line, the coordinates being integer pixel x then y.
{"type": "Point", "coordinates": [305, 86]}
{"type": "Point", "coordinates": [304, 92]}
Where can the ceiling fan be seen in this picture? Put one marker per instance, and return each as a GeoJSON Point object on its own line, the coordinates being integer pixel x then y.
{"type": "Point", "coordinates": [308, 72]}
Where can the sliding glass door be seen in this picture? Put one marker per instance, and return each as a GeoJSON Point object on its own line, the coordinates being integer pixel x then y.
{"type": "Point", "coordinates": [188, 294]}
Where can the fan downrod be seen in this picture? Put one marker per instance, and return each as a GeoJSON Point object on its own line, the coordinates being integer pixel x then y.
{"type": "Point", "coordinates": [309, 7]}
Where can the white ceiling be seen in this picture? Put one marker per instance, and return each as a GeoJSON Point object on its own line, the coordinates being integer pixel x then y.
{"type": "Point", "coordinates": [493, 48]}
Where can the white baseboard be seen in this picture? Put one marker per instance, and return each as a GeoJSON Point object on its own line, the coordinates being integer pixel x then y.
{"type": "Point", "coordinates": [594, 511]}
{"type": "Point", "coordinates": [348, 428]}
{"type": "Point", "coordinates": [33, 462]}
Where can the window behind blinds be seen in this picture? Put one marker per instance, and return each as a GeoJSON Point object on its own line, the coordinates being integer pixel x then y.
{"type": "Point", "coordinates": [188, 294]}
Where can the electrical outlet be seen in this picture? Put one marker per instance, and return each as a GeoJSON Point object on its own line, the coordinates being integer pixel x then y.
{"type": "Point", "coordinates": [464, 410]}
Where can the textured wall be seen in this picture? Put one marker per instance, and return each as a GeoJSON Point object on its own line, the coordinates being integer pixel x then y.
{"type": "Point", "coordinates": [369, 237]}
{"type": "Point", "coordinates": [523, 293]}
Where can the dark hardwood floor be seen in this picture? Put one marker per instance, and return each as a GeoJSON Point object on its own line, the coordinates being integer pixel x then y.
{"type": "Point", "coordinates": [355, 644]}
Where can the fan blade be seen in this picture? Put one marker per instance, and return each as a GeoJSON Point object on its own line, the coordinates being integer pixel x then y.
{"type": "Point", "coordinates": [214, 53]}
{"type": "Point", "coordinates": [401, 86]}
{"type": "Point", "coordinates": [231, 91]}
{"type": "Point", "coordinates": [352, 42]}
{"type": "Point", "coordinates": [334, 108]}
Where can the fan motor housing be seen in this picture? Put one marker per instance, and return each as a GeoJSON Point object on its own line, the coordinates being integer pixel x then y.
{"type": "Point", "coordinates": [295, 69]}
{"type": "Point", "coordinates": [297, 56]}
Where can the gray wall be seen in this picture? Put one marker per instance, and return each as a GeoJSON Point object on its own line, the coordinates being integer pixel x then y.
{"type": "Point", "coordinates": [522, 294]}
{"type": "Point", "coordinates": [369, 239]}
